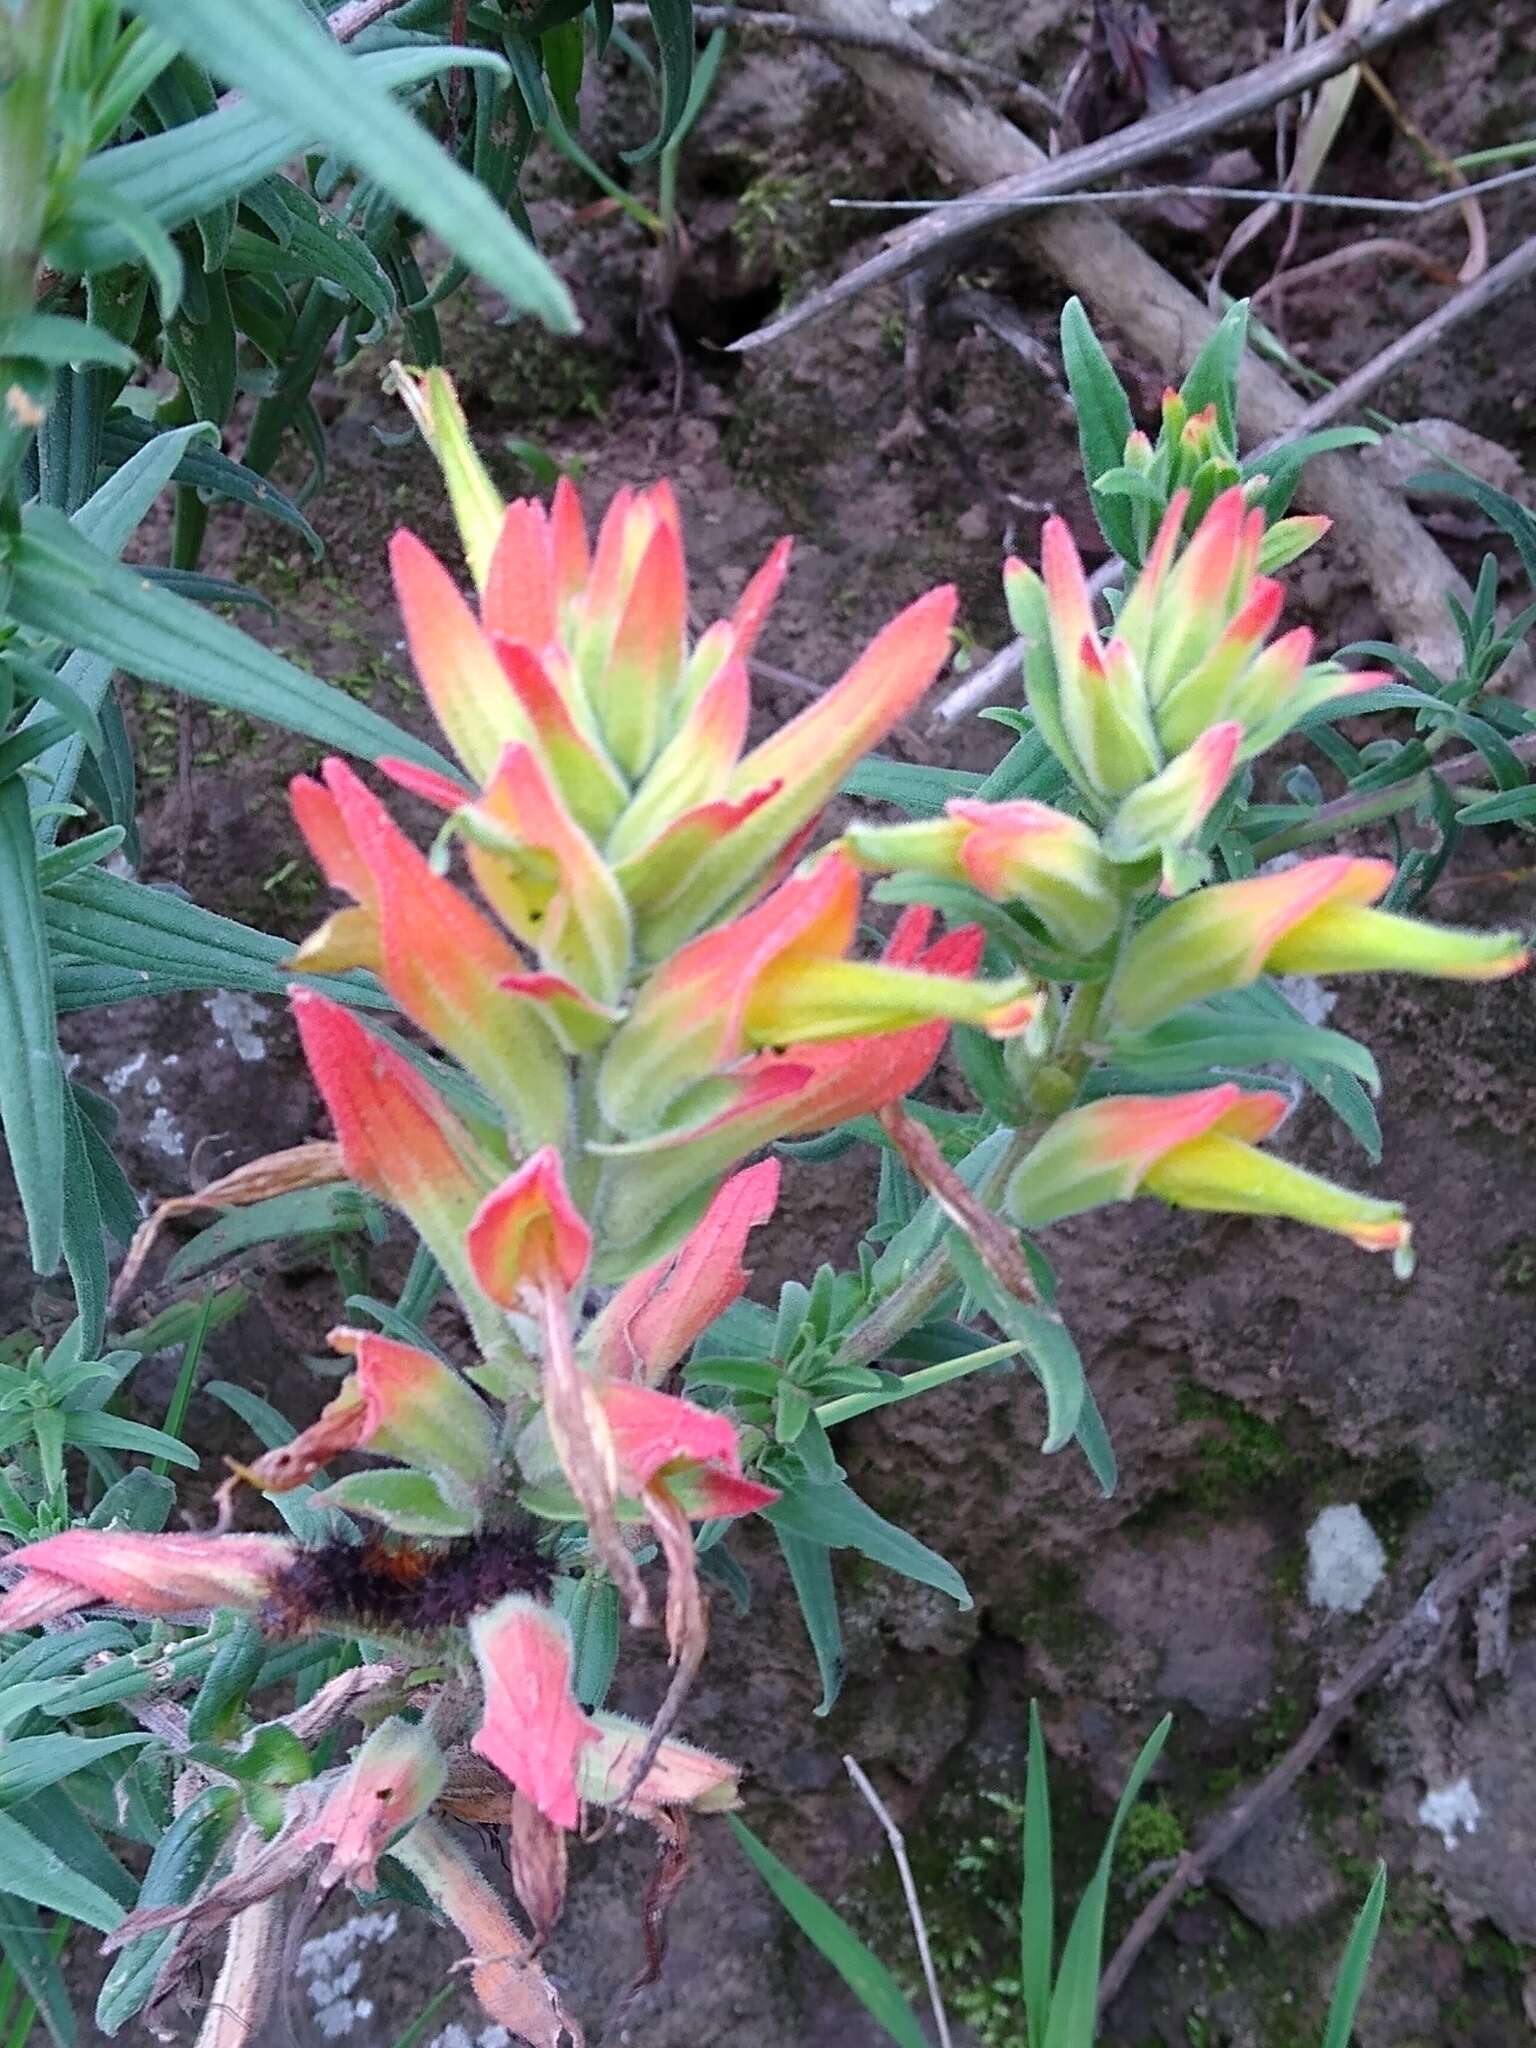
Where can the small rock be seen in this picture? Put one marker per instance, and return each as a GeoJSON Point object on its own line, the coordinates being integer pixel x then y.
{"type": "Point", "coordinates": [1346, 1562]}
{"type": "Point", "coordinates": [1451, 1810]}
{"type": "Point", "coordinates": [1276, 1874]}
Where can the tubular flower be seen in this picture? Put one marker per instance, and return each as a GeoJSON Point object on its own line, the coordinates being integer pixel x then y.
{"type": "Point", "coordinates": [1309, 919]}
{"type": "Point", "coordinates": [401, 1141]}
{"type": "Point", "coordinates": [636, 805]}
{"type": "Point", "coordinates": [1194, 1151]}
{"type": "Point", "coordinates": [1188, 653]}
{"type": "Point", "coordinates": [529, 1246]}
{"type": "Point", "coordinates": [779, 976]}
{"type": "Point", "coordinates": [532, 1729]}
{"type": "Point", "coordinates": [444, 962]}
{"type": "Point", "coordinates": [1019, 852]}
{"type": "Point", "coordinates": [151, 1574]}
{"type": "Point", "coordinates": [402, 1403]}
{"type": "Point", "coordinates": [679, 1775]}
{"type": "Point", "coordinates": [390, 1784]}
{"type": "Point", "coordinates": [665, 1445]}
{"type": "Point", "coordinates": [649, 1183]}
{"type": "Point", "coordinates": [651, 1323]}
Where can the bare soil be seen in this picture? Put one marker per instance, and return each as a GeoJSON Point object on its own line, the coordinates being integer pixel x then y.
{"type": "Point", "coordinates": [1250, 1375]}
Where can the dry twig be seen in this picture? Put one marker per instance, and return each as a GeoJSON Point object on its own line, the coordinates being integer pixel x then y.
{"type": "Point", "coordinates": [893, 1835]}
{"type": "Point", "coordinates": [1127, 288]}
{"type": "Point", "coordinates": [1410, 1644]}
{"type": "Point", "coordinates": [1191, 120]}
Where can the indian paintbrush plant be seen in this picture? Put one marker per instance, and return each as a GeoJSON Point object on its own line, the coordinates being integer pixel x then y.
{"type": "Point", "coordinates": [639, 968]}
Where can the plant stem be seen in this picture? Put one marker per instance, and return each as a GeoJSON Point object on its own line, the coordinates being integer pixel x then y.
{"type": "Point", "coordinates": [33, 46]}
{"type": "Point", "coordinates": [926, 1285]}
{"type": "Point", "coordinates": [1364, 807]}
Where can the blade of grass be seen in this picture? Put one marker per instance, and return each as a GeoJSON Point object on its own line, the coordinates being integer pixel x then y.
{"type": "Point", "coordinates": [181, 1393]}
{"type": "Point", "coordinates": [1357, 1961]}
{"type": "Point", "coordinates": [1074, 2007]}
{"type": "Point", "coordinates": [1037, 1910]}
{"type": "Point", "coordinates": [860, 1969]}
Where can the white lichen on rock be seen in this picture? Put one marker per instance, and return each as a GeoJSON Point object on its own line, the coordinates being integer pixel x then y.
{"type": "Point", "coordinates": [239, 1018]}
{"type": "Point", "coordinates": [332, 1972]}
{"type": "Point", "coordinates": [1451, 1810]}
{"type": "Point", "coordinates": [1345, 1560]}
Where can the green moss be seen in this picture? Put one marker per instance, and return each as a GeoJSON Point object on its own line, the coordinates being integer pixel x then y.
{"type": "Point", "coordinates": [1153, 1833]}
{"type": "Point", "coordinates": [778, 218]}
{"type": "Point", "coordinates": [543, 378]}
{"type": "Point", "coordinates": [1241, 1456]}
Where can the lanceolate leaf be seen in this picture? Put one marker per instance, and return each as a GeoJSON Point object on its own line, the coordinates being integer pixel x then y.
{"type": "Point", "coordinates": [859, 1967]}
{"type": "Point", "coordinates": [201, 464]}
{"type": "Point", "coordinates": [156, 942]}
{"type": "Point", "coordinates": [275, 53]}
{"type": "Point", "coordinates": [31, 1077]}
{"type": "Point", "coordinates": [64, 588]}
{"type": "Point", "coordinates": [673, 23]}
{"type": "Point", "coordinates": [1103, 420]}
{"type": "Point", "coordinates": [144, 462]}
{"type": "Point", "coordinates": [180, 1863]}
{"type": "Point", "coordinates": [35, 1870]}
{"type": "Point", "coordinates": [173, 176]}
{"type": "Point", "coordinates": [834, 1515]}
{"type": "Point", "coordinates": [810, 1569]}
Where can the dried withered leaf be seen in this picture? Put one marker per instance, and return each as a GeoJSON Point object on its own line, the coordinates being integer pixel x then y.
{"type": "Point", "coordinates": [313, 1165]}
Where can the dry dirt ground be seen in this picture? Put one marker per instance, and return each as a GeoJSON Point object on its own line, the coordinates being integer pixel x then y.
{"type": "Point", "coordinates": [1250, 1376]}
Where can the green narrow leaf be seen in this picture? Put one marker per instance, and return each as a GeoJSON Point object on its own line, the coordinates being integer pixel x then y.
{"type": "Point", "coordinates": [591, 1606]}
{"type": "Point", "coordinates": [278, 56]}
{"type": "Point", "coordinates": [1075, 2002]}
{"type": "Point", "coordinates": [1213, 375]}
{"type": "Point", "coordinates": [173, 175]}
{"type": "Point", "coordinates": [1047, 1342]}
{"type": "Point", "coordinates": [672, 21]}
{"type": "Point", "coordinates": [35, 1870]}
{"type": "Point", "coordinates": [31, 1076]}
{"type": "Point", "coordinates": [151, 942]}
{"type": "Point", "coordinates": [202, 350]}
{"type": "Point", "coordinates": [84, 1230]}
{"type": "Point", "coordinates": [29, 1763]}
{"type": "Point", "coordinates": [1103, 421]}
{"type": "Point", "coordinates": [183, 1858]}
{"type": "Point", "coordinates": [810, 1571]}
{"type": "Point", "coordinates": [859, 1967]}
{"type": "Point", "coordinates": [64, 588]}
{"type": "Point", "coordinates": [60, 342]}
{"type": "Point", "coordinates": [1037, 1909]}
{"type": "Point", "coordinates": [1357, 1962]}
{"type": "Point", "coordinates": [31, 1954]}
{"type": "Point", "coordinates": [834, 1515]}
{"type": "Point", "coordinates": [118, 1433]}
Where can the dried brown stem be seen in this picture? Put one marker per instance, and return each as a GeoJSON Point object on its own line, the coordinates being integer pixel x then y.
{"type": "Point", "coordinates": [351, 20]}
{"type": "Point", "coordinates": [1166, 324]}
{"type": "Point", "coordinates": [1410, 1644]}
{"type": "Point", "coordinates": [1192, 120]}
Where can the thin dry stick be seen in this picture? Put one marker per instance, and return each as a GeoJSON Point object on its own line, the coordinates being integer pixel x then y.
{"type": "Point", "coordinates": [1509, 271]}
{"type": "Point", "coordinates": [943, 63]}
{"type": "Point", "coordinates": [1191, 120]}
{"type": "Point", "coordinates": [351, 20]}
{"type": "Point", "coordinates": [1409, 1645]}
{"type": "Point", "coordinates": [893, 1835]}
{"type": "Point", "coordinates": [1166, 326]}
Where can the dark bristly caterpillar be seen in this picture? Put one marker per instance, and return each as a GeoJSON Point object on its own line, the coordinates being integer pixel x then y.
{"type": "Point", "coordinates": [393, 1588]}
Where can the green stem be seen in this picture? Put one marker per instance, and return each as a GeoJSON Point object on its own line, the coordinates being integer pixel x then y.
{"type": "Point", "coordinates": [1364, 807]}
{"type": "Point", "coordinates": [928, 1282]}
{"type": "Point", "coordinates": [33, 46]}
